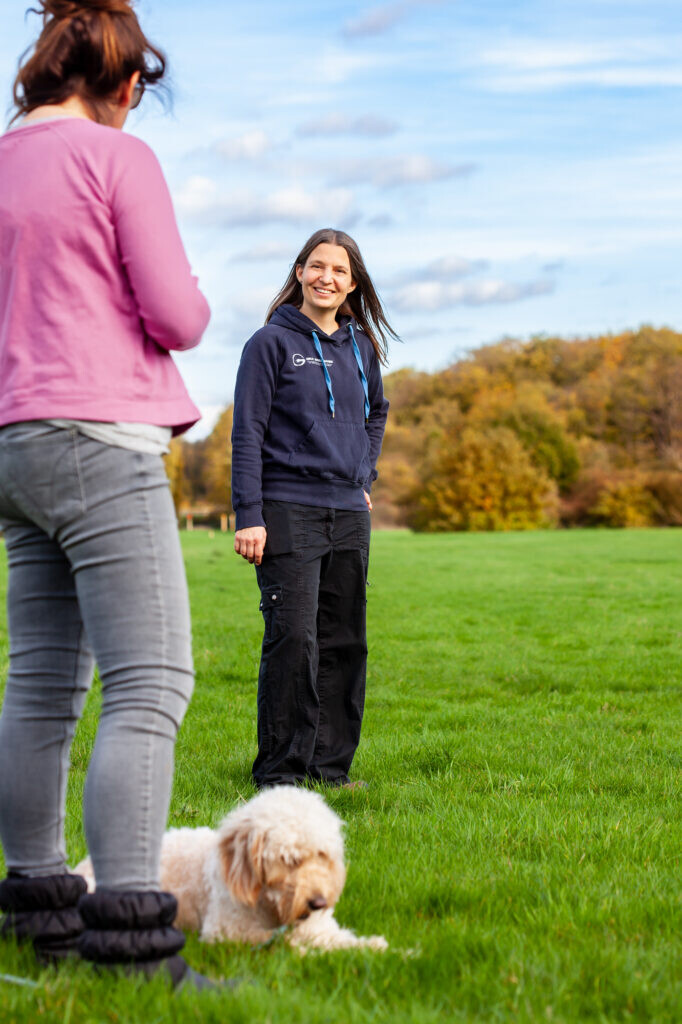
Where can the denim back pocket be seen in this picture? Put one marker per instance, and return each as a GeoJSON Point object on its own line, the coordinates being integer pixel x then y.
{"type": "Point", "coordinates": [43, 474]}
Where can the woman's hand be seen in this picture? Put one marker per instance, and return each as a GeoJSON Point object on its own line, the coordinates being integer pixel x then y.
{"type": "Point", "coordinates": [249, 543]}
{"type": "Point", "coordinates": [368, 500]}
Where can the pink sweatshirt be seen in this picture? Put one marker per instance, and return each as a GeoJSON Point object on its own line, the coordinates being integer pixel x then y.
{"type": "Point", "coordinates": [95, 287]}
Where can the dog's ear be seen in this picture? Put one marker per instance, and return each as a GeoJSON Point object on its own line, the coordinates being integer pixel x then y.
{"type": "Point", "coordinates": [241, 859]}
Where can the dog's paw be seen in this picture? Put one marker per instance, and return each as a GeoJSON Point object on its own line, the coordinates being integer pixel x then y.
{"type": "Point", "coordinates": [85, 870]}
{"type": "Point", "coordinates": [325, 934]}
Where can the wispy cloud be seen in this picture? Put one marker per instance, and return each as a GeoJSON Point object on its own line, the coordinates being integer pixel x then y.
{"type": "Point", "coordinates": [441, 271]}
{"type": "Point", "coordinates": [336, 64]}
{"type": "Point", "coordinates": [381, 221]}
{"type": "Point", "coordinates": [202, 200]}
{"type": "Point", "coordinates": [397, 170]}
{"type": "Point", "coordinates": [528, 54]}
{"type": "Point", "coordinates": [432, 296]}
{"type": "Point", "coordinates": [448, 268]}
{"type": "Point", "coordinates": [367, 125]}
{"type": "Point", "coordinates": [382, 18]}
{"type": "Point", "coordinates": [265, 253]}
{"type": "Point", "coordinates": [528, 64]}
{"type": "Point", "coordinates": [249, 146]}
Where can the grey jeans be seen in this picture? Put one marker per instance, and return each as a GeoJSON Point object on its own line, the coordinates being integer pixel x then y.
{"type": "Point", "coordinates": [95, 575]}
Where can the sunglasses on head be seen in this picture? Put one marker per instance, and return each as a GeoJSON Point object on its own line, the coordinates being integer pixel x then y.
{"type": "Point", "coordinates": [138, 93]}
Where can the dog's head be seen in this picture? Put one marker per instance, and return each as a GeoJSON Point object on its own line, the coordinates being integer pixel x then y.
{"type": "Point", "coordinates": [283, 852]}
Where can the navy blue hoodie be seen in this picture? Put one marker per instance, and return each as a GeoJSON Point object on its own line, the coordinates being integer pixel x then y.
{"type": "Point", "coordinates": [286, 444]}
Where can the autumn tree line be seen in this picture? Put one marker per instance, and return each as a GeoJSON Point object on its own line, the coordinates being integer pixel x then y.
{"type": "Point", "coordinates": [514, 436]}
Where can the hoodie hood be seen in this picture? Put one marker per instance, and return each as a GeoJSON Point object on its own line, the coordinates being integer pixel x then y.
{"type": "Point", "coordinates": [294, 320]}
{"type": "Point", "coordinates": [308, 419]}
{"type": "Point", "coordinates": [290, 317]}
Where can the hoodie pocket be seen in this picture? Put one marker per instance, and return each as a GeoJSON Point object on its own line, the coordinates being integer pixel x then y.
{"type": "Point", "coordinates": [334, 450]}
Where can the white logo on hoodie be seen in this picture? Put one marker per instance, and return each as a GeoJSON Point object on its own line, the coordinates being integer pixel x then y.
{"type": "Point", "coordinates": [299, 360]}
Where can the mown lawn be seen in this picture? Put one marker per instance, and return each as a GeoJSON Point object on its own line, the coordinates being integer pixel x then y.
{"type": "Point", "coordinates": [520, 844]}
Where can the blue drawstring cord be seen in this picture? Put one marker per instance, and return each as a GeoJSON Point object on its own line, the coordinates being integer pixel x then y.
{"type": "Point", "coordinates": [358, 360]}
{"type": "Point", "coordinates": [328, 379]}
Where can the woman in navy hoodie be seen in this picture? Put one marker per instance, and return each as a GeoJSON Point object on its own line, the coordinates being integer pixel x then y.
{"type": "Point", "coordinates": [309, 418]}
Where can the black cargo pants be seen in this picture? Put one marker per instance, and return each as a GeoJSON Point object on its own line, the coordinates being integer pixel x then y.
{"type": "Point", "coordinates": [311, 683]}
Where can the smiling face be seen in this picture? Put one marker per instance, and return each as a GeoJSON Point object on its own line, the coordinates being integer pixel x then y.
{"type": "Point", "coordinates": [326, 281]}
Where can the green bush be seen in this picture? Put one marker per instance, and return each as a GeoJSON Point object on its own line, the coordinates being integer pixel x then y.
{"type": "Point", "coordinates": [548, 445]}
{"type": "Point", "coordinates": [666, 488]}
{"type": "Point", "coordinates": [624, 503]}
{"type": "Point", "coordinates": [482, 480]}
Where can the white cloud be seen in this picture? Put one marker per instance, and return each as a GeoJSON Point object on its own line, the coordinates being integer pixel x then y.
{"type": "Point", "coordinates": [249, 146]}
{"type": "Point", "coordinates": [335, 65]}
{"type": "Point", "coordinates": [527, 64]}
{"type": "Point", "coordinates": [527, 54]}
{"type": "Point", "coordinates": [343, 124]}
{"type": "Point", "coordinates": [201, 199]}
{"type": "Point", "coordinates": [380, 19]}
{"type": "Point", "coordinates": [448, 267]}
{"type": "Point", "coordinates": [444, 270]}
{"type": "Point", "coordinates": [381, 221]}
{"type": "Point", "coordinates": [614, 78]}
{"type": "Point", "coordinates": [197, 195]}
{"type": "Point", "coordinates": [264, 253]}
{"type": "Point", "coordinates": [431, 296]}
{"type": "Point", "coordinates": [398, 170]}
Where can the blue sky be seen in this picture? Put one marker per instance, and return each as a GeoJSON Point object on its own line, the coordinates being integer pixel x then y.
{"type": "Point", "coordinates": [508, 168]}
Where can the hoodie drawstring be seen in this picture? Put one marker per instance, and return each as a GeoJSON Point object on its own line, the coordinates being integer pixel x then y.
{"type": "Point", "coordinates": [358, 360]}
{"type": "Point", "coordinates": [328, 379]}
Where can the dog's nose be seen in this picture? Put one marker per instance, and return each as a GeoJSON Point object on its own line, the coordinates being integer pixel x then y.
{"type": "Point", "coordinates": [317, 903]}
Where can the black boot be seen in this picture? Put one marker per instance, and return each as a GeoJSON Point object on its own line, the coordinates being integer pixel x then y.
{"type": "Point", "coordinates": [43, 910]}
{"type": "Point", "coordinates": [135, 930]}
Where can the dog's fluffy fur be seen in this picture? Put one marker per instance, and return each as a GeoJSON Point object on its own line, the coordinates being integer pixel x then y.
{"type": "Point", "coordinates": [273, 862]}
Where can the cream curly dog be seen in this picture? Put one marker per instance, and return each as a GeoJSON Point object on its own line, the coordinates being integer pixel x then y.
{"type": "Point", "coordinates": [274, 862]}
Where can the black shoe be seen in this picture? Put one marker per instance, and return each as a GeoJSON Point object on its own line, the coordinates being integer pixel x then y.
{"type": "Point", "coordinates": [134, 931]}
{"type": "Point", "coordinates": [193, 981]}
{"type": "Point", "coordinates": [344, 783]}
{"type": "Point", "coordinates": [182, 977]}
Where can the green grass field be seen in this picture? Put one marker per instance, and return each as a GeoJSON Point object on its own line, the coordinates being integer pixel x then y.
{"type": "Point", "coordinates": [520, 844]}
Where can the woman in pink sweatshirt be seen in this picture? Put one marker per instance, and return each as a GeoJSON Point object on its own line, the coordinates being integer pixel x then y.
{"type": "Point", "coordinates": [95, 293]}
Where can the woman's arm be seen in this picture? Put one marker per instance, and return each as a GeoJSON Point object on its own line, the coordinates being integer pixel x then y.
{"type": "Point", "coordinates": [253, 394]}
{"type": "Point", "coordinates": [172, 309]}
{"type": "Point", "coordinates": [376, 421]}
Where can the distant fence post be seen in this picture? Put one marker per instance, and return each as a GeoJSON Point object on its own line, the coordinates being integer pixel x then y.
{"type": "Point", "coordinates": [224, 522]}
{"type": "Point", "coordinates": [190, 521]}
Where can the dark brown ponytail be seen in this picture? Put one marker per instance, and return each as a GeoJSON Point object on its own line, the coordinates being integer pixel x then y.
{"type": "Point", "coordinates": [363, 304]}
{"type": "Point", "coordinates": [87, 48]}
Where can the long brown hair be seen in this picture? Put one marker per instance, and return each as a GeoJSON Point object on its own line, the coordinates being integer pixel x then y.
{"type": "Point", "coordinates": [363, 303]}
{"type": "Point", "coordinates": [87, 48]}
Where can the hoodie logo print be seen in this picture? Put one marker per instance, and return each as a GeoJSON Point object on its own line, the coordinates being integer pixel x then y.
{"type": "Point", "coordinates": [299, 360]}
